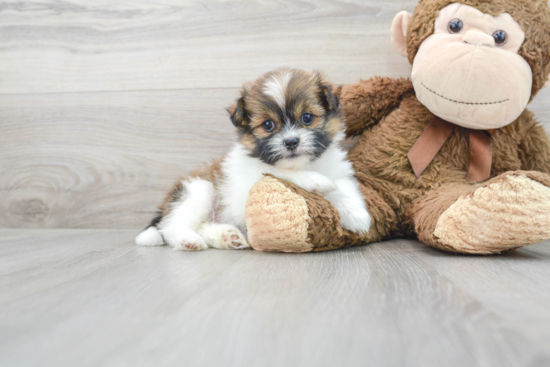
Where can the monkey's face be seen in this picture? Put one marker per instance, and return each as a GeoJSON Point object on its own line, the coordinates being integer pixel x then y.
{"type": "Point", "coordinates": [469, 72]}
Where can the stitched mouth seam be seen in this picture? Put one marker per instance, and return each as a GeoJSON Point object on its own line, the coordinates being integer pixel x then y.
{"type": "Point", "coordinates": [460, 102]}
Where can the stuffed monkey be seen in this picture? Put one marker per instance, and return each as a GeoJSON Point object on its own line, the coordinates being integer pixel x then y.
{"type": "Point", "coordinates": [452, 156]}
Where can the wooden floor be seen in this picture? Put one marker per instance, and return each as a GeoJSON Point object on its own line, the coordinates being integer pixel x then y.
{"type": "Point", "coordinates": [92, 298]}
{"type": "Point", "coordinates": [104, 103]}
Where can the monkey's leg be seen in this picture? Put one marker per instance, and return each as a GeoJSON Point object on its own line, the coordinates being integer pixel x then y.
{"type": "Point", "coordinates": [507, 212]}
{"type": "Point", "coordinates": [283, 217]}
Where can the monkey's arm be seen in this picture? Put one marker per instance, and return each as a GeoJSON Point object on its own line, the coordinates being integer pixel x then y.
{"type": "Point", "coordinates": [535, 150]}
{"type": "Point", "coordinates": [367, 102]}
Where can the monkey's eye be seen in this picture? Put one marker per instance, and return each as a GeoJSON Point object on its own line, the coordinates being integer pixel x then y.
{"type": "Point", "coordinates": [455, 26]}
{"type": "Point", "coordinates": [500, 37]}
{"type": "Point", "coordinates": [268, 126]}
{"type": "Point", "coordinates": [307, 118]}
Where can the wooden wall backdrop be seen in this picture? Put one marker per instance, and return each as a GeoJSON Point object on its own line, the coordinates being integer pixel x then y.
{"type": "Point", "coordinates": [104, 103]}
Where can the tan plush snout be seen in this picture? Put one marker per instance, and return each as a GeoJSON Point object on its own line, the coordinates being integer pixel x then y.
{"type": "Point", "coordinates": [478, 39]}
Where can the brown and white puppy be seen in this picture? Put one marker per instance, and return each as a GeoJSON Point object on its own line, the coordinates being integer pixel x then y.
{"type": "Point", "coordinates": [289, 125]}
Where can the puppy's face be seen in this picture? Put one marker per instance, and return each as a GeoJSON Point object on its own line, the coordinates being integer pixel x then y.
{"type": "Point", "coordinates": [287, 117]}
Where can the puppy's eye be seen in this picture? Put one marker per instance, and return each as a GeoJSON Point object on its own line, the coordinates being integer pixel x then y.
{"type": "Point", "coordinates": [455, 26]}
{"type": "Point", "coordinates": [268, 126]}
{"type": "Point", "coordinates": [500, 37]}
{"type": "Point", "coordinates": [307, 118]}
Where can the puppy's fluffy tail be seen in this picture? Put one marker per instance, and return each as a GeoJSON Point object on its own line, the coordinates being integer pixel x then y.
{"type": "Point", "coordinates": [151, 235]}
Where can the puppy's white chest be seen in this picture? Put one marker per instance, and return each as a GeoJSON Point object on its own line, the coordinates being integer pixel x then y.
{"type": "Point", "coordinates": [240, 173]}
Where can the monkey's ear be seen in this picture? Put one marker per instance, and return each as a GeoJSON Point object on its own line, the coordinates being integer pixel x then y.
{"type": "Point", "coordinates": [237, 113]}
{"type": "Point", "coordinates": [399, 29]}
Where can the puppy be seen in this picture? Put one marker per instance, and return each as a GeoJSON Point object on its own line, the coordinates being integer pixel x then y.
{"type": "Point", "coordinates": [289, 125]}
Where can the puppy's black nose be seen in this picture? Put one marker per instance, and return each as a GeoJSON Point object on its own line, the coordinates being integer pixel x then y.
{"type": "Point", "coordinates": [291, 144]}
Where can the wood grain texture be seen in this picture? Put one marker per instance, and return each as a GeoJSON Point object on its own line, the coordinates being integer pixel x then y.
{"type": "Point", "coordinates": [92, 298]}
{"type": "Point", "coordinates": [78, 45]}
{"type": "Point", "coordinates": [103, 159]}
{"type": "Point", "coordinates": [103, 104]}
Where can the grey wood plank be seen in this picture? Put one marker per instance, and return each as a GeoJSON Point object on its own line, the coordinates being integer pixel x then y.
{"type": "Point", "coordinates": [77, 45]}
{"type": "Point", "coordinates": [541, 107]}
{"type": "Point", "coordinates": [89, 297]}
{"type": "Point", "coordinates": [103, 159]}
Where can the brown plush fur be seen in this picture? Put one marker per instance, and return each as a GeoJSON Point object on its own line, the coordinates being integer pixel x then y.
{"type": "Point", "coordinates": [388, 96]}
{"type": "Point", "coordinates": [390, 119]}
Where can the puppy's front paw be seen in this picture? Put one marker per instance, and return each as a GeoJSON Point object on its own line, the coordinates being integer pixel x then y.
{"type": "Point", "coordinates": [150, 237]}
{"type": "Point", "coordinates": [192, 244]}
{"type": "Point", "coordinates": [231, 238]}
{"type": "Point", "coordinates": [184, 239]}
{"type": "Point", "coordinates": [358, 220]}
{"type": "Point", "coordinates": [320, 184]}
{"type": "Point", "coordinates": [223, 236]}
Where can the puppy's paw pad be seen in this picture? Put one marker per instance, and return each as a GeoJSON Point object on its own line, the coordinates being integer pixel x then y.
{"type": "Point", "coordinates": [192, 242]}
{"type": "Point", "coordinates": [192, 246]}
{"type": "Point", "coordinates": [231, 238]}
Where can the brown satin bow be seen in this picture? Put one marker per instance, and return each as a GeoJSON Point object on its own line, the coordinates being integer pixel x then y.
{"type": "Point", "coordinates": [434, 137]}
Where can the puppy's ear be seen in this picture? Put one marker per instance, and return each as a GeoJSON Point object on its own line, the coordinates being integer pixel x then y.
{"type": "Point", "coordinates": [329, 94]}
{"type": "Point", "coordinates": [332, 96]}
{"type": "Point", "coordinates": [237, 113]}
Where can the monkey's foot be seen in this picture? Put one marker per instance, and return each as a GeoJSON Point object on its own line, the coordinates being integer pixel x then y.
{"type": "Point", "coordinates": [283, 217]}
{"type": "Point", "coordinates": [508, 212]}
{"type": "Point", "coordinates": [277, 218]}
